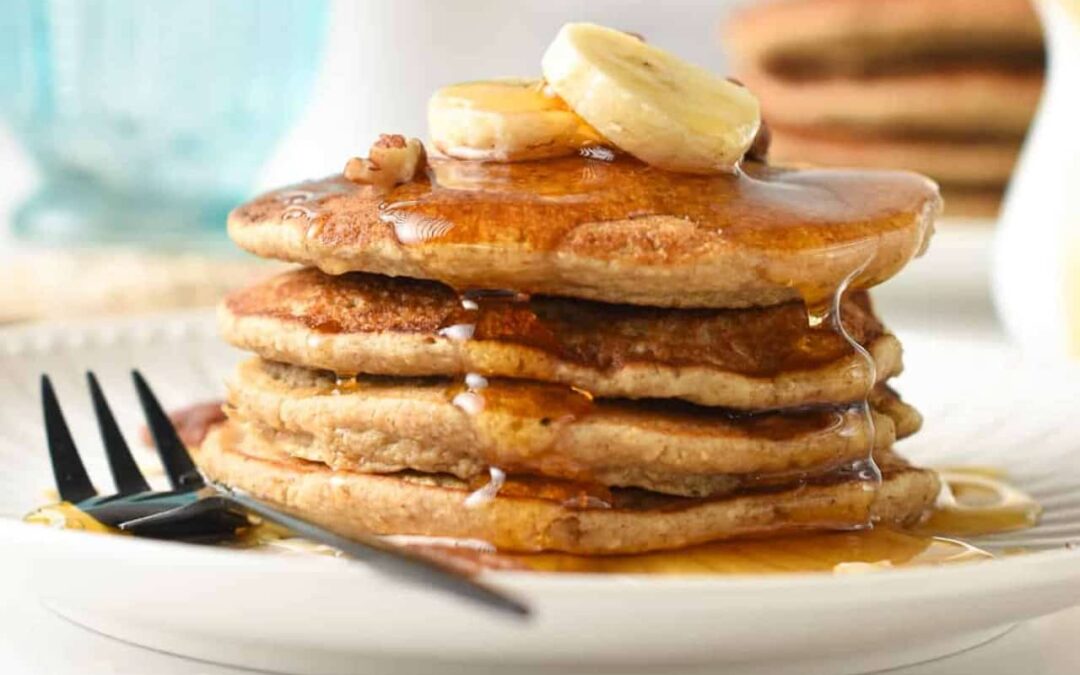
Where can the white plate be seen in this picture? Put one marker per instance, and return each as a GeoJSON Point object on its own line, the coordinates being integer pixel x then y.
{"type": "Point", "coordinates": [984, 405]}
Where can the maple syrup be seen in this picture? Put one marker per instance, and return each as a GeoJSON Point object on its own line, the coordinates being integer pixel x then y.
{"type": "Point", "coordinates": [476, 208]}
{"type": "Point", "coordinates": [771, 208]}
{"type": "Point", "coordinates": [835, 552]}
{"type": "Point", "coordinates": [978, 501]}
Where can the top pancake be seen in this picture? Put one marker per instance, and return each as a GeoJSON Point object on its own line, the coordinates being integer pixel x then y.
{"type": "Point", "coordinates": [618, 231]}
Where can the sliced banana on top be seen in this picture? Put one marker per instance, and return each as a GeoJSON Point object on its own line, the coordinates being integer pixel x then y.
{"type": "Point", "coordinates": [506, 119]}
{"type": "Point", "coordinates": [648, 102]}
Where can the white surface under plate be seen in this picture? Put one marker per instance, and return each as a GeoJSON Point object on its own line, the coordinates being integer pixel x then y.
{"type": "Point", "coordinates": [984, 405]}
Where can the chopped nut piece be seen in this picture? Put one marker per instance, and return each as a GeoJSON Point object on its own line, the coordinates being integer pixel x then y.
{"type": "Point", "coordinates": [392, 160]}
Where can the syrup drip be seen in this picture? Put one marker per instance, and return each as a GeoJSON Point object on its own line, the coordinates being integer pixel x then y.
{"type": "Point", "coordinates": [976, 502]}
{"type": "Point", "coordinates": [838, 553]}
{"type": "Point", "coordinates": [824, 314]}
{"type": "Point", "coordinates": [496, 408]}
{"type": "Point", "coordinates": [414, 229]}
{"type": "Point", "coordinates": [598, 152]}
{"type": "Point", "coordinates": [557, 406]}
{"type": "Point", "coordinates": [296, 196]}
{"type": "Point", "coordinates": [489, 491]}
{"type": "Point", "coordinates": [759, 342]}
{"type": "Point", "coordinates": [538, 205]}
{"type": "Point", "coordinates": [472, 400]}
{"type": "Point", "coordinates": [297, 212]}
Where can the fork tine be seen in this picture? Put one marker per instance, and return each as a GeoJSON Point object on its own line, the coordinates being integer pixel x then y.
{"type": "Point", "coordinates": [174, 456]}
{"type": "Point", "coordinates": [125, 472]}
{"type": "Point", "coordinates": [71, 480]}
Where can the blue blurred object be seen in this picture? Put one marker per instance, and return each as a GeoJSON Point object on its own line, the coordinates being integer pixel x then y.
{"type": "Point", "coordinates": [150, 118]}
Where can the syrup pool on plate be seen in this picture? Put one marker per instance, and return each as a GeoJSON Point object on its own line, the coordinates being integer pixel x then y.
{"type": "Point", "coordinates": [984, 505]}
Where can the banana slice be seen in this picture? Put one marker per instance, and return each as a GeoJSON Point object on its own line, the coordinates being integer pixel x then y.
{"type": "Point", "coordinates": [651, 104]}
{"type": "Point", "coordinates": [506, 120]}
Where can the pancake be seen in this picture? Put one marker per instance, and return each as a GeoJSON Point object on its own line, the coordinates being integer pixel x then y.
{"type": "Point", "coordinates": [381, 424]}
{"type": "Point", "coordinates": [524, 520]}
{"type": "Point", "coordinates": [749, 359]}
{"type": "Point", "coordinates": [968, 162]}
{"type": "Point", "coordinates": [614, 231]}
{"type": "Point", "coordinates": [820, 38]}
{"type": "Point", "coordinates": [962, 101]}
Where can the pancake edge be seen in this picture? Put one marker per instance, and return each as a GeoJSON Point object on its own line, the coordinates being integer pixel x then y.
{"type": "Point", "coordinates": [292, 342]}
{"type": "Point", "coordinates": [356, 504]}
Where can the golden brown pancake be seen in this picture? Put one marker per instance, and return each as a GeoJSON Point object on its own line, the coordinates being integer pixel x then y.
{"type": "Point", "coordinates": [618, 231]}
{"type": "Point", "coordinates": [855, 38]}
{"type": "Point", "coordinates": [750, 359]}
{"type": "Point", "coordinates": [984, 163]}
{"type": "Point", "coordinates": [385, 424]}
{"type": "Point", "coordinates": [529, 517]}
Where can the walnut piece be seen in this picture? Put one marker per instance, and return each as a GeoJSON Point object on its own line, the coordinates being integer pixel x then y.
{"type": "Point", "coordinates": [392, 160]}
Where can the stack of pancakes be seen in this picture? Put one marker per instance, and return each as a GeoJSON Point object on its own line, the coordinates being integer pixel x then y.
{"type": "Point", "coordinates": [943, 87]}
{"type": "Point", "coordinates": [561, 355]}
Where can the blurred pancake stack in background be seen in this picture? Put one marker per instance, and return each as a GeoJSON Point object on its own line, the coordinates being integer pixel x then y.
{"type": "Point", "coordinates": [943, 87]}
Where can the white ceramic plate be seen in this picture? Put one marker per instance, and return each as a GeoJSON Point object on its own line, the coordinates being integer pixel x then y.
{"type": "Point", "coordinates": [984, 405]}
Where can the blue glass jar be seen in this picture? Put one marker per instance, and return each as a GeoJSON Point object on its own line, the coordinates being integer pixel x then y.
{"type": "Point", "coordinates": [150, 118]}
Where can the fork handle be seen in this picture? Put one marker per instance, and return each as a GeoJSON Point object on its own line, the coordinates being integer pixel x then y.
{"type": "Point", "coordinates": [391, 558]}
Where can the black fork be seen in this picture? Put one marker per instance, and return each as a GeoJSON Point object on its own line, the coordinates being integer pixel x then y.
{"type": "Point", "coordinates": [193, 510]}
{"type": "Point", "coordinates": [133, 499]}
